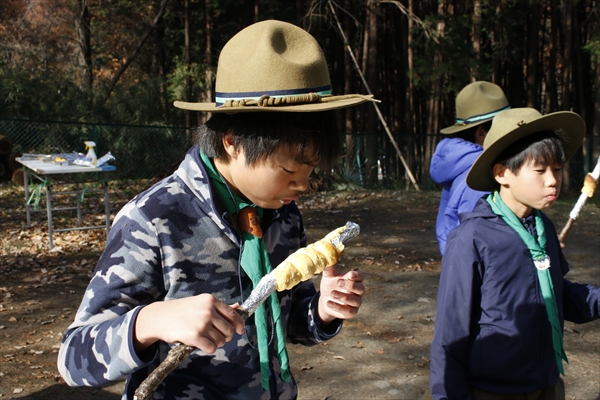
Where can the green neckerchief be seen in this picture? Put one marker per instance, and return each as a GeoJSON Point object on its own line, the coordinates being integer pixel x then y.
{"type": "Point", "coordinates": [256, 264]}
{"type": "Point", "coordinates": [542, 264]}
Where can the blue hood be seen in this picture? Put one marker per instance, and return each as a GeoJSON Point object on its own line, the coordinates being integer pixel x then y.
{"type": "Point", "coordinates": [452, 157]}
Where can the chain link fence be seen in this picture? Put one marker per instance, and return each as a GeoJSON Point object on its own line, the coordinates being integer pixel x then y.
{"type": "Point", "coordinates": [140, 151]}
{"type": "Point", "coordinates": [146, 152]}
{"type": "Point", "coordinates": [373, 162]}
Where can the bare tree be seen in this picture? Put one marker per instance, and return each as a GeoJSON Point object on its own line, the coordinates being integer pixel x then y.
{"type": "Point", "coordinates": [138, 48]}
{"type": "Point", "coordinates": [476, 38]}
{"type": "Point", "coordinates": [81, 17]}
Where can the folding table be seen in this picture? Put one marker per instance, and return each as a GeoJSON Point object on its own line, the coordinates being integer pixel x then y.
{"type": "Point", "coordinates": [50, 174]}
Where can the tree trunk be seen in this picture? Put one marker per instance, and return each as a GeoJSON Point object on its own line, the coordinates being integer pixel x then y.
{"type": "Point", "coordinates": [210, 64]}
{"type": "Point", "coordinates": [476, 39]}
{"type": "Point", "coordinates": [435, 105]}
{"type": "Point", "coordinates": [82, 27]}
{"type": "Point", "coordinates": [188, 60]}
{"type": "Point", "coordinates": [349, 125]}
{"type": "Point", "coordinates": [370, 72]}
{"type": "Point", "coordinates": [138, 48]}
{"type": "Point", "coordinates": [567, 45]}
{"type": "Point", "coordinates": [596, 125]}
{"type": "Point", "coordinates": [551, 88]}
{"type": "Point", "coordinates": [410, 93]}
{"type": "Point", "coordinates": [533, 55]}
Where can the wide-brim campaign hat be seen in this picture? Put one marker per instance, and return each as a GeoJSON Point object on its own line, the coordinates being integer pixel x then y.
{"type": "Point", "coordinates": [478, 102]}
{"type": "Point", "coordinates": [273, 66]}
{"type": "Point", "coordinates": [512, 125]}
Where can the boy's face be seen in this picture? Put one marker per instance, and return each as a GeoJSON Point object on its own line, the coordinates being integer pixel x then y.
{"type": "Point", "coordinates": [269, 184]}
{"type": "Point", "coordinates": [533, 186]}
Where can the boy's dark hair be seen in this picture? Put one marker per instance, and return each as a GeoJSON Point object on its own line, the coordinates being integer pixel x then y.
{"type": "Point", "coordinates": [469, 134]}
{"type": "Point", "coordinates": [544, 148]}
{"type": "Point", "coordinates": [312, 136]}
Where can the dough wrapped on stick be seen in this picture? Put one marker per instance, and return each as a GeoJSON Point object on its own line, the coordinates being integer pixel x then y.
{"type": "Point", "coordinates": [300, 266]}
{"type": "Point", "coordinates": [308, 261]}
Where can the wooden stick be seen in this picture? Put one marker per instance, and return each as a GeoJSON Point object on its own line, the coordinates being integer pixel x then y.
{"type": "Point", "coordinates": [263, 289]}
{"type": "Point", "coordinates": [175, 357]}
{"type": "Point", "coordinates": [589, 185]}
{"type": "Point", "coordinates": [379, 114]}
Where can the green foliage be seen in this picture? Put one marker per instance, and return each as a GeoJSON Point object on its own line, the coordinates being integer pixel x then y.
{"type": "Point", "coordinates": [593, 48]}
{"type": "Point", "coordinates": [177, 80]}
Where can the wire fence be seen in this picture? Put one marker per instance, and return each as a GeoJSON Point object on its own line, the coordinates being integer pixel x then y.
{"type": "Point", "coordinates": [140, 151]}
{"type": "Point", "coordinates": [146, 152]}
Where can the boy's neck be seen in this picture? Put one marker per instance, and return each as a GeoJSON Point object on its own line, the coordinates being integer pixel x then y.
{"type": "Point", "coordinates": [519, 209]}
{"type": "Point", "coordinates": [223, 169]}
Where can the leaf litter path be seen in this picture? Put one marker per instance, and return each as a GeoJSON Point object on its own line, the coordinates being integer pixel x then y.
{"type": "Point", "coordinates": [383, 353]}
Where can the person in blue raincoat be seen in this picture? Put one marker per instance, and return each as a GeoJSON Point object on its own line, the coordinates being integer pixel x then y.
{"type": "Point", "coordinates": [476, 105]}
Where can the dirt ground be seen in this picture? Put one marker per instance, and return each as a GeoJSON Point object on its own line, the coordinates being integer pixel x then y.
{"type": "Point", "coordinates": [381, 354]}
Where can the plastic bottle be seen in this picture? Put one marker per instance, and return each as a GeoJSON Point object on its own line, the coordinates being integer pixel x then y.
{"type": "Point", "coordinates": [91, 154]}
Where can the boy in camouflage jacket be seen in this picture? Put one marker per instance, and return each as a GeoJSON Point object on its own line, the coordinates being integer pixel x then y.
{"type": "Point", "coordinates": [171, 270]}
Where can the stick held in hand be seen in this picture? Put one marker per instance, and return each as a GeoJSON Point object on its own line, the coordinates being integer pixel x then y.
{"type": "Point", "coordinates": [297, 267]}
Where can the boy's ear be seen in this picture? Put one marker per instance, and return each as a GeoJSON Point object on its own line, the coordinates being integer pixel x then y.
{"type": "Point", "coordinates": [499, 172]}
{"type": "Point", "coordinates": [480, 134]}
{"type": "Point", "coordinates": [228, 145]}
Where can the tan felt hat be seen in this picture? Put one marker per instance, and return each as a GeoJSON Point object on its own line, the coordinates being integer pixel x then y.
{"type": "Point", "coordinates": [273, 66]}
{"type": "Point", "coordinates": [512, 125]}
{"type": "Point", "coordinates": [477, 103]}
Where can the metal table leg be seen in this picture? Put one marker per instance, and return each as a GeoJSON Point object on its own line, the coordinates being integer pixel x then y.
{"type": "Point", "coordinates": [26, 186]}
{"type": "Point", "coordinates": [49, 208]}
{"type": "Point", "coordinates": [106, 207]}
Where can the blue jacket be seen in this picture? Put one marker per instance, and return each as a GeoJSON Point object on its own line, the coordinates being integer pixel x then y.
{"type": "Point", "coordinates": [173, 241]}
{"type": "Point", "coordinates": [450, 164]}
{"type": "Point", "coordinates": [491, 328]}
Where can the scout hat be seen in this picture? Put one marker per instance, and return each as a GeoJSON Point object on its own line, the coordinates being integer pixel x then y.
{"type": "Point", "coordinates": [477, 103]}
{"type": "Point", "coordinates": [512, 125]}
{"type": "Point", "coordinates": [273, 66]}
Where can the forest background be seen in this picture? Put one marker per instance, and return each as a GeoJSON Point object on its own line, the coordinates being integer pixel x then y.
{"type": "Point", "coordinates": [124, 62]}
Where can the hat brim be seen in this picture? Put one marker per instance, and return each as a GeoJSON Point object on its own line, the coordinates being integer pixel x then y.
{"type": "Point", "coordinates": [481, 177]}
{"type": "Point", "coordinates": [461, 127]}
{"type": "Point", "coordinates": [307, 107]}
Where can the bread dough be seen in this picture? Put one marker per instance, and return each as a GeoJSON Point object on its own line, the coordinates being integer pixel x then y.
{"type": "Point", "coordinates": [308, 261]}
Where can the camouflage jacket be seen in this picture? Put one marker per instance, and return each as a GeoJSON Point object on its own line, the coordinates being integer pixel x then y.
{"type": "Point", "coordinates": [173, 241]}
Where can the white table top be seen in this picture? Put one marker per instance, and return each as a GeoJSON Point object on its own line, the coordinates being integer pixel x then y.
{"type": "Point", "coordinates": [48, 168]}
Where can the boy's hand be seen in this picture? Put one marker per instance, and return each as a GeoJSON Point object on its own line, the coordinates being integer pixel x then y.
{"type": "Point", "coordinates": [200, 321]}
{"type": "Point", "coordinates": [341, 295]}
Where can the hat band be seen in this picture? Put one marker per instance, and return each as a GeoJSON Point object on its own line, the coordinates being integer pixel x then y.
{"type": "Point", "coordinates": [478, 118]}
{"type": "Point", "coordinates": [243, 98]}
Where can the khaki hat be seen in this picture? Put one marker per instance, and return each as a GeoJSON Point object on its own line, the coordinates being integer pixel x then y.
{"type": "Point", "coordinates": [512, 125]}
{"type": "Point", "coordinates": [477, 103]}
{"type": "Point", "coordinates": [273, 66]}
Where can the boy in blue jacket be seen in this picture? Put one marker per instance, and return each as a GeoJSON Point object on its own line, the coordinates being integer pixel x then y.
{"type": "Point", "coordinates": [476, 105]}
{"type": "Point", "coordinates": [178, 257]}
{"type": "Point", "coordinates": [503, 298]}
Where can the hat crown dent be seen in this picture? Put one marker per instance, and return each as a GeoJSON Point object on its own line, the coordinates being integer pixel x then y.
{"type": "Point", "coordinates": [475, 104]}
{"type": "Point", "coordinates": [269, 56]}
{"type": "Point", "coordinates": [479, 98]}
{"type": "Point", "coordinates": [508, 121]}
{"type": "Point", "coordinates": [273, 66]}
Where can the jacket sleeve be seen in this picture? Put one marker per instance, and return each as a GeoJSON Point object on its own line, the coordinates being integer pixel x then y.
{"type": "Point", "coordinates": [98, 347]}
{"type": "Point", "coordinates": [459, 285]}
{"type": "Point", "coordinates": [304, 324]}
{"type": "Point", "coordinates": [581, 302]}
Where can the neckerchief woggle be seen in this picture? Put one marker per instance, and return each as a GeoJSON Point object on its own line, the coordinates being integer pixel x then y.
{"type": "Point", "coordinates": [256, 264]}
{"type": "Point", "coordinates": [542, 265]}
